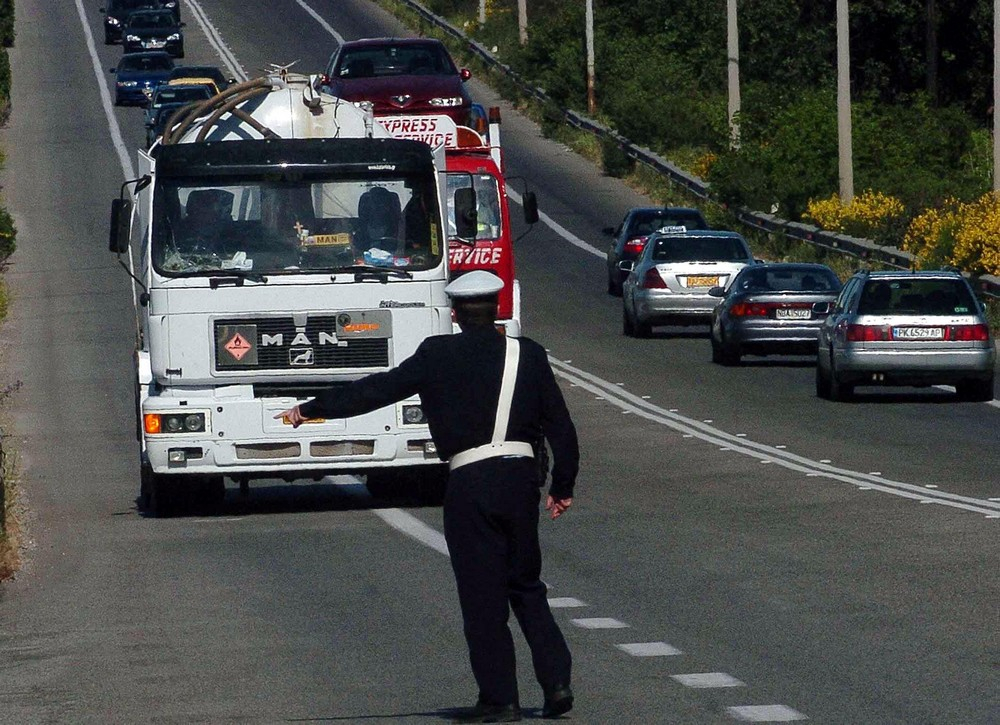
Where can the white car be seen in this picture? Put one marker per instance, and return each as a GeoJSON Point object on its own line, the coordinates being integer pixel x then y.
{"type": "Point", "coordinates": [669, 283]}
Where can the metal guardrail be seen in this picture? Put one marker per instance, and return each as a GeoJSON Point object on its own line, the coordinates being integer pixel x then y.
{"type": "Point", "coordinates": [3, 490]}
{"type": "Point", "coordinates": [855, 246]}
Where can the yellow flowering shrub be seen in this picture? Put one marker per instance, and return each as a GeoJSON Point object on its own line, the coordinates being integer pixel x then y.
{"type": "Point", "coordinates": [871, 215]}
{"type": "Point", "coordinates": [963, 234]}
{"type": "Point", "coordinates": [703, 164]}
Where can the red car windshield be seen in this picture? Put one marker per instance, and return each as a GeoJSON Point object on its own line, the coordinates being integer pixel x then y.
{"type": "Point", "coordinates": [394, 60]}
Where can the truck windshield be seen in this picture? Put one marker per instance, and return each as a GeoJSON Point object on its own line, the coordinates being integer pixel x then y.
{"type": "Point", "coordinates": [487, 203]}
{"type": "Point", "coordinates": [291, 224]}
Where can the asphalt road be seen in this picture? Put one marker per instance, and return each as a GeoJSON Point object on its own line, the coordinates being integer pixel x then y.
{"type": "Point", "coordinates": [739, 551]}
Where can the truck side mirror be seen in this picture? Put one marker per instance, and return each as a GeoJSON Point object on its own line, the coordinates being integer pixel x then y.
{"type": "Point", "coordinates": [530, 204]}
{"type": "Point", "coordinates": [121, 224]}
{"type": "Point", "coordinates": [466, 216]}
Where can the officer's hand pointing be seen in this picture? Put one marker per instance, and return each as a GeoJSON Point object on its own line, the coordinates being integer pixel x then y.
{"type": "Point", "coordinates": [292, 415]}
{"type": "Point", "coordinates": [557, 505]}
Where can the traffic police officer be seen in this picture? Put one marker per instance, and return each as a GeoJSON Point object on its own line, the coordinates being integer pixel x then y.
{"type": "Point", "coordinates": [488, 400]}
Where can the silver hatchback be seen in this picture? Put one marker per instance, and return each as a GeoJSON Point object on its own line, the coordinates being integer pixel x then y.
{"type": "Point", "coordinates": [906, 328]}
{"type": "Point", "coordinates": [670, 281]}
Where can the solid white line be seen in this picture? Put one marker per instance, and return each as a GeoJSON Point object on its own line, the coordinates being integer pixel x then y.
{"type": "Point", "coordinates": [323, 24]}
{"type": "Point", "coordinates": [559, 229]}
{"type": "Point", "coordinates": [693, 428]}
{"type": "Point", "coordinates": [414, 527]}
{"type": "Point", "coordinates": [216, 41]}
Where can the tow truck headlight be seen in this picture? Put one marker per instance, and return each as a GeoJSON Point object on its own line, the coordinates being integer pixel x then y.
{"type": "Point", "coordinates": [158, 423]}
{"type": "Point", "coordinates": [413, 415]}
{"type": "Point", "coordinates": [449, 101]}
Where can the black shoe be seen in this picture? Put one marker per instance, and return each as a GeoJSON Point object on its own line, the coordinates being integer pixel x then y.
{"type": "Point", "coordinates": [558, 700]}
{"type": "Point", "coordinates": [484, 712]}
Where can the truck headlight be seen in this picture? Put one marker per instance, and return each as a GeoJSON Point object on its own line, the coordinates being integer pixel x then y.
{"type": "Point", "coordinates": [413, 415]}
{"type": "Point", "coordinates": [159, 423]}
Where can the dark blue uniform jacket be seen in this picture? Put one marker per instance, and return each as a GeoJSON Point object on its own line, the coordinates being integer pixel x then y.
{"type": "Point", "coordinates": [458, 380]}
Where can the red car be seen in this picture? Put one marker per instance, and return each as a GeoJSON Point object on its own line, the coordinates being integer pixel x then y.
{"type": "Point", "coordinates": [400, 76]}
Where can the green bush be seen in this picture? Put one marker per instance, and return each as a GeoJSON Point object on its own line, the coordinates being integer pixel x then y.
{"type": "Point", "coordinates": [6, 23]}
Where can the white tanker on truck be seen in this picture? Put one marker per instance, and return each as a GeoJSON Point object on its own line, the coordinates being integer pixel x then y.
{"type": "Point", "coordinates": [282, 241]}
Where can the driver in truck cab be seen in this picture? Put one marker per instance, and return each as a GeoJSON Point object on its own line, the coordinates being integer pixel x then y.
{"type": "Point", "coordinates": [378, 221]}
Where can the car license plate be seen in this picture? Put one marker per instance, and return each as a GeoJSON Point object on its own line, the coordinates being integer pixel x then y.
{"type": "Point", "coordinates": [793, 314]}
{"type": "Point", "coordinates": [702, 281]}
{"type": "Point", "coordinates": [918, 333]}
{"type": "Point", "coordinates": [155, 44]}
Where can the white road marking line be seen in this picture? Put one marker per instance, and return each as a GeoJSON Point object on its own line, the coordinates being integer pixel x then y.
{"type": "Point", "coordinates": [702, 680]}
{"type": "Point", "coordinates": [323, 24]}
{"type": "Point", "coordinates": [690, 427]}
{"type": "Point", "coordinates": [414, 527]}
{"type": "Point", "coordinates": [565, 602]}
{"type": "Point", "coordinates": [764, 713]}
{"type": "Point", "coordinates": [559, 229]}
{"type": "Point", "coordinates": [649, 649]}
{"type": "Point", "coordinates": [216, 41]}
{"type": "Point", "coordinates": [599, 623]}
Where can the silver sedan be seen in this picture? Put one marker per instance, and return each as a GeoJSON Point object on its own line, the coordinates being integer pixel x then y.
{"type": "Point", "coordinates": [906, 328]}
{"type": "Point", "coordinates": [670, 281]}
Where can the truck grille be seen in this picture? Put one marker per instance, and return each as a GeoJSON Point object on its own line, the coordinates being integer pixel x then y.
{"type": "Point", "coordinates": [252, 344]}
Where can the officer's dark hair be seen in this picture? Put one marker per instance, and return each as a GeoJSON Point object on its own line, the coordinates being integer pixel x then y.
{"type": "Point", "coordinates": [474, 311]}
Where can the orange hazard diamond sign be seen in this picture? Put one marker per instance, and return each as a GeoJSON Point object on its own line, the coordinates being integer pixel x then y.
{"type": "Point", "coordinates": [238, 346]}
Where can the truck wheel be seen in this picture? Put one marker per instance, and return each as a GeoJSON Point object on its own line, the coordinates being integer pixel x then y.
{"type": "Point", "coordinates": [159, 496]}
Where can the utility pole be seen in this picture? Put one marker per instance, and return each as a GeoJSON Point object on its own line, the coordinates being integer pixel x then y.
{"type": "Point", "coordinates": [522, 21]}
{"type": "Point", "coordinates": [733, 49]}
{"type": "Point", "coordinates": [482, 12]}
{"type": "Point", "coordinates": [591, 101]}
{"type": "Point", "coordinates": [996, 95]}
{"type": "Point", "coordinates": [844, 143]}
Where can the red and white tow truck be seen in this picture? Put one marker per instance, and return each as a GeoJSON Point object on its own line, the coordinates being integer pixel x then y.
{"type": "Point", "coordinates": [475, 160]}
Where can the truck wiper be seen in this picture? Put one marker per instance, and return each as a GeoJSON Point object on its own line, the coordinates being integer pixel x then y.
{"type": "Point", "coordinates": [365, 271]}
{"type": "Point", "coordinates": [220, 277]}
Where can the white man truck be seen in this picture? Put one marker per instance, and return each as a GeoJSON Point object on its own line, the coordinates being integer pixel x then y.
{"type": "Point", "coordinates": [283, 241]}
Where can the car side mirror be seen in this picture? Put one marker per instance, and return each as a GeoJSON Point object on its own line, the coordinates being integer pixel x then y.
{"type": "Point", "coordinates": [465, 74]}
{"type": "Point", "coordinates": [111, 71]}
{"type": "Point", "coordinates": [626, 265]}
{"type": "Point", "coordinates": [530, 205]}
{"type": "Point", "coordinates": [610, 231]}
{"type": "Point", "coordinates": [121, 223]}
{"type": "Point", "coordinates": [466, 216]}
{"type": "Point", "coordinates": [102, 10]}
{"type": "Point", "coordinates": [717, 292]}
{"type": "Point", "coordinates": [822, 308]}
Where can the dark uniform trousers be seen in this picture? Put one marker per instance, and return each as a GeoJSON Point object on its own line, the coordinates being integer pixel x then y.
{"type": "Point", "coordinates": [491, 526]}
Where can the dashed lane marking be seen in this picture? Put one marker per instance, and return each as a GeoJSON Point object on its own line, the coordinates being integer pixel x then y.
{"type": "Point", "coordinates": [649, 649]}
{"type": "Point", "coordinates": [599, 623]}
{"type": "Point", "coordinates": [764, 713]}
{"type": "Point", "coordinates": [704, 680]}
{"type": "Point", "coordinates": [565, 603]}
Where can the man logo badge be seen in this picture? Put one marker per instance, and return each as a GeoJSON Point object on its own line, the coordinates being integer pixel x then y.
{"type": "Point", "coordinates": [301, 356]}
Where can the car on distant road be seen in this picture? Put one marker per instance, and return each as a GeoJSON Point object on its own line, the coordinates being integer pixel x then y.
{"type": "Point", "coordinates": [137, 74]}
{"type": "Point", "coordinates": [207, 75]}
{"type": "Point", "coordinates": [670, 281]}
{"type": "Point", "coordinates": [166, 99]}
{"type": "Point", "coordinates": [769, 310]}
{"type": "Point", "coordinates": [153, 30]}
{"type": "Point", "coordinates": [906, 328]}
{"type": "Point", "coordinates": [117, 11]}
{"type": "Point", "coordinates": [629, 237]}
{"type": "Point", "coordinates": [400, 76]}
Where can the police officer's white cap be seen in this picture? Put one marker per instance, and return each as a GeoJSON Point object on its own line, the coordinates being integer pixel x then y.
{"type": "Point", "coordinates": [478, 283]}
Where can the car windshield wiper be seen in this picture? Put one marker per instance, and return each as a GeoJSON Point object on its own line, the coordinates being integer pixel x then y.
{"type": "Point", "coordinates": [365, 271]}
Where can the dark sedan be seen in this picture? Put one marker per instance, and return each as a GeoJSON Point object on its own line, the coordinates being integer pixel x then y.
{"type": "Point", "coordinates": [400, 76]}
{"type": "Point", "coordinates": [117, 11]}
{"type": "Point", "coordinates": [137, 74]}
{"type": "Point", "coordinates": [768, 310]}
{"type": "Point", "coordinates": [629, 237]}
{"type": "Point", "coordinates": [153, 30]}
{"type": "Point", "coordinates": [165, 100]}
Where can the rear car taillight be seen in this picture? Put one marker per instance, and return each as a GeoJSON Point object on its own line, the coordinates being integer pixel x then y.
{"type": "Point", "coordinates": [968, 333]}
{"type": "Point", "coordinates": [749, 309]}
{"type": "Point", "coordinates": [635, 246]}
{"type": "Point", "coordinates": [868, 333]}
{"type": "Point", "coordinates": [653, 280]}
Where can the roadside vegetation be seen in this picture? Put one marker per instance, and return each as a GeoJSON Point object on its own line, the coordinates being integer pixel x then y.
{"type": "Point", "coordinates": [8, 522]}
{"type": "Point", "coordinates": [922, 111]}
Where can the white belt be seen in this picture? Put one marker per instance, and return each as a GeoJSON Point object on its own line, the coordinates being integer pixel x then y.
{"type": "Point", "coordinates": [491, 450]}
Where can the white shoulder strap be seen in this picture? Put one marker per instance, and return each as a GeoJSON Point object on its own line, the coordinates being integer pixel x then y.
{"type": "Point", "coordinates": [511, 358]}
